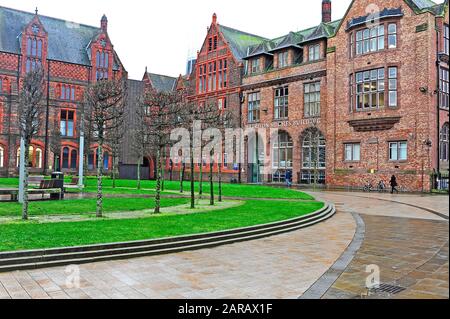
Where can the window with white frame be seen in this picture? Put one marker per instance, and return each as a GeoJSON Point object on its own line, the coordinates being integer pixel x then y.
{"type": "Point", "coordinates": [67, 123]}
{"type": "Point", "coordinates": [370, 40]}
{"type": "Point", "coordinates": [444, 139]}
{"type": "Point", "coordinates": [446, 39]}
{"type": "Point", "coordinates": [254, 102]}
{"type": "Point", "coordinates": [398, 151]}
{"type": "Point", "coordinates": [444, 88]}
{"type": "Point", "coordinates": [314, 52]}
{"type": "Point", "coordinates": [283, 59]}
{"type": "Point", "coordinates": [352, 152]}
{"type": "Point", "coordinates": [312, 99]}
{"type": "Point", "coordinates": [281, 103]}
{"type": "Point", "coordinates": [392, 35]}
{"type": "Point", "coordinates": [393, 96]}
{"type": "Point", "coordinates": [256, 65]}
{"type": "Point", "coordinates": [370, 89]}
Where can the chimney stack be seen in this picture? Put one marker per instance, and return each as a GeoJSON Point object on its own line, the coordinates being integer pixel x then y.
{"type": "Point", "coordinates": [326, 11]}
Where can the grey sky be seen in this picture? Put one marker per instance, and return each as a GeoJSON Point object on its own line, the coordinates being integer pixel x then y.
{"type": "Point", "coordinates": [160, 34]}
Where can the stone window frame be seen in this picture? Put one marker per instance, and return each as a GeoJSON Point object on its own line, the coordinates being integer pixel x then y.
{"type": "Point", "coordinates": [444, 143]}
{"type": "Point", "coordinates": [63, 92]}
{"type": "Point", "coordinates": [353, 158]}
{"type": "Point", "coordinates": [444, 84]}
{"type": "Point", "coordinates": [67, 120]}
{"type": "Point", "coordinates": [102, 65]}
{"type": "Point", "coordinates": [254, 107]}
{"type": "Point", "coordinates": [70, 157]}
{"type": "Point", "coordinates": [398, 148]}
{"type": "Point", "coordinates": [35, 49]}
{"type": "Point", "coordinates": [202, 78]}
{"type": "Point", "coordinates": [315, 104]}
{"type": "Point", "coordinates": [281, 103]}
{"type": "Point", "coordinates": [34, 158]}
{"type": "Point", "coordinates": [446, 34]}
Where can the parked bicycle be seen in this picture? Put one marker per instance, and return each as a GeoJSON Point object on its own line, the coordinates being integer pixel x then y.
{"type": "Point", "coordinates": [381, 187]}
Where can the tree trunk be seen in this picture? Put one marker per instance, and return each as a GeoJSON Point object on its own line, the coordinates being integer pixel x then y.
{"type": "Point", "coordinates": [192, 178]}
{"type": "Point", "coordinates": [99, 181]}
{"type": "Point", "coordinates": [200, 180]}
{"type": "Point", "coordinates": [182, 170]}
{"type": "Point", "coordinates": [163, 170]}
{"type": "Point", "coordinates": [113, 170]}
{"type": "Point", "coordinates": [211, 183]}
{"type": "Point", "coordinates": [25, 184]}
{"type": "Point", "coordinates": [220, 181]}
{"type": "Point", "coordinates": [139, 174]}
{"type": "Point", "coordinates": [158, 183]}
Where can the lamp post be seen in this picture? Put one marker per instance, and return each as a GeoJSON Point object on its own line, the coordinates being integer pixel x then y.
{"type": "Point", "coordinates": [21, 170]}
{"type": "Point", "coordinates": [81, 153]}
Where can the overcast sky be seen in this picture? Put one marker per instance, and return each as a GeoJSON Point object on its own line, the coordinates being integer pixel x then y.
{"type": "Point", "coordinates": [160, 34]}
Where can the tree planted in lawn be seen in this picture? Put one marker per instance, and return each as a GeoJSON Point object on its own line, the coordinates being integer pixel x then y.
{"type": "Point", "coordinates": [162, 110]}
{"type": "Point", "coordinates": [140, 138]}
{"type": "Point", "coordinates": [30, 117]}
{"type": "Point", "coordinates": [103, 112]}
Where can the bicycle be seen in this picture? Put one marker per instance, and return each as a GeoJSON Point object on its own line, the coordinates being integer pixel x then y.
{"type": "Point", "coordinates": [382, 187]}
{"type": "Point", "coordinates": [368, 187]}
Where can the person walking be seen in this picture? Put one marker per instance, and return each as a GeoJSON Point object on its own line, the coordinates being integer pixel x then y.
{"type": "Point", "coordinates": [394, 184]}
{"type": "Point", "coordinates": [289, 179]}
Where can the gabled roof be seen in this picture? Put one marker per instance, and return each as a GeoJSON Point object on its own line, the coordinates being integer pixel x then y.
{"type": "Point", "coordinates": [67, 41]}
{"type": "Point", "coordinates": [162, 83]}
{"type": "Point", "coordinates": [239, 41]}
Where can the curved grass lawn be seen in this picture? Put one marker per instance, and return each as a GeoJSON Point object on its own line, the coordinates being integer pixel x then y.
{"type": "Point", "coordinates": [86, 206]}
{"type": "Point", "coordinates": [24, 236]}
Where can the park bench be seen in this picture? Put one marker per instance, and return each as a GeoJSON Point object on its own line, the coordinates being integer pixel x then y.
{"type": "Point", "coordinates": [51, 187]}
{"type": "Point", "coordinates": [73, 184]}
{"type": "Point", "coordinates": [35, 180]}
{"type": "Point", "coordinates": [14, 193]}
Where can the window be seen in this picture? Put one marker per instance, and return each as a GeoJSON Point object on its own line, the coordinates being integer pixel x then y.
{"type": "Point", "coordinates": [283, 59]}
{"type": "Point", "coordinates": [34, 157]}
{"type": "Point", "coordinates": [444, 139]}
{"type": "Point", "coordinates": [34, 54]}
{"type": "Point", "coordinates": [282, 156]}
{"type": "Point", "coordinates": [65, 158]}
{"type": "Point", "coordinates": [67, 123]}
{"type": "Point", "coordinates": [210, 44]}
{"type": "Point", "coordinates": [222, 74]}
{"type": "Point", "coordinates": [281, 103]}
{"type": "Point", "coordinates": [446, 39]}
{"type": "Point", "coordinates": [314, 52]}
{"type": "Point", "coordinates": [225, 160]}
{"type": "Point", "coordinates": [370, 40]}
{"type": "Point", "coordinates": [1, 86]}
{"type": "Point", "coordinates": [256, 65]}
{"type": "Point", "coordinates": [102, 59]}
{"type": "Point", "coordinates": [67, 93]}
{"type": "Point", "coordinates": [2, 156]}
{"type": "Point", "coordinates": [254, 101]}
{"type": "Point", "coordinates": [312, 99]}
{"type": "Point", "coordinates": [392, 36]}
{"type": "Point", "coordinates": [313, 157]}
{"type": "Point", "coordinates": [222, 103]}
{"type": "Point", "coordinates": [393, 87]}
{"type": "Point", "coordinates": [370, 89]}
{"type": "Point", "coordinates": [444, 89]}
{"type": "Point", "coordinates": [352, 152]}
{"type": "Point", "coordinates": [398, 151]}
{"type": "Point", "coordinates": [202, 79]}
{"type": "Point", "coordinates": [215, 43]}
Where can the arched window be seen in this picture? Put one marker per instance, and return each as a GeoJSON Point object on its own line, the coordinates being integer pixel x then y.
{"type": "Point", "coordinates": [18, 157]}
{"type": "Point", "coordinates": [102, 59]}
{"type": "Point", "coordinates": [444, 139]}
{"type": "Point", "coordinates": [2, 156]}
{"type": "Point", "coordinates": [30, 156]}
{"type": "Point", "coordinates": [65, 158]}
{"type": "Point", "coordinates": [34, 54]}
{"type": "Point", "coordinates": [91, 161]}
{"type": "Point", "coordinates": [34, 157]}
{"type": "Point", "coordinates": [282, 156]}
{"type": "Point", "coordinates": [313, 157]}
{"type": "Point", "coordinates": [106, 160]}
{"type": "Point", "coordinates": [38, 158]}
{"type": "Point", "coordinates": [73, 159]}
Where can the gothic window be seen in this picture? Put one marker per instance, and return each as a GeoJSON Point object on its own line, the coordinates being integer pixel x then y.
{"type": "Point", "coordinates": [102, 63]}
{"type": "Point", "coordinates": [34, 54]}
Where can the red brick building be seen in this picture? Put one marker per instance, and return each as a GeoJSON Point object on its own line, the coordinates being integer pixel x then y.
{"type": "Point", "coordinates": [355, 100]}
{"type": "Point", "coordinates": [72, 56]}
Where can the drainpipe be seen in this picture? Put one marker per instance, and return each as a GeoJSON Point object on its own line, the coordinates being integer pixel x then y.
{"type": "Point", "coordinates": [438, 69]}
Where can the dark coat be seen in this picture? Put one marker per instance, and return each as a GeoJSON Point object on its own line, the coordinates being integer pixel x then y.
{"type": "Point", "coordinates": [393, 181]}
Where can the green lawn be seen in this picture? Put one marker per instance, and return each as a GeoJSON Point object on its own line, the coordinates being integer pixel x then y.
{"type": "Point", "coordinates": [21, 236]}
{"type": "Point", "coordinates": [84, 206]}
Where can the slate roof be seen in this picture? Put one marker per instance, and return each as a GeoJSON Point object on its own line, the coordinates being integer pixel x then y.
{"type": "Point", "coordinates": [383, 14]}
{"type": "Point", "coordinates": [239, 41]}
{"type": "Point", "coordinates": [67, 41]}
{"type": "Point", "coordinates": [162, 83]}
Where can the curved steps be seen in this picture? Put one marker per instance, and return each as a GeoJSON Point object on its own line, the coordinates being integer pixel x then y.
{"type": "Point", "coordinates": [32, 259]}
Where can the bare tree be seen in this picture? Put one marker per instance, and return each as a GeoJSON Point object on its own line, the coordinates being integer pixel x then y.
{"type": "Point", "coordinates": [140, 139]}
{"type": "Point", "coordinates": [30, 117]}
{"type": "Point", "coordinates": [162, 113]}
{"type": "Point", "coordinates": [104, 108]}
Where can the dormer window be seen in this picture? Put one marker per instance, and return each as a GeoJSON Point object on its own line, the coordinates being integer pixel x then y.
{"type": "Point", "coordinates": [102, 63]}
{"type": "Point", "coordinates": [34, 54]}
{"type": "Point", "coordinates": [283, 59]}
{"type": "Point", "coordinates": [314, 52]}
{"type": "Point", "coordinates": [256, 65]}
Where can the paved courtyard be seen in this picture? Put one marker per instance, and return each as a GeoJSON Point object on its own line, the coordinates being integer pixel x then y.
{"type": "Point", "coordinates": [408, 244]}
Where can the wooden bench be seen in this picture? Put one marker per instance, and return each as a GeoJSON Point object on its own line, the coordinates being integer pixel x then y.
{"type": "Point", "coordinates": [13, 192]}
{"type": "Point", "coordinates": [48, 187]}
{"type": "Point", "coordinates": [35, 180]}
{"type": "Point", "coordinates": [73, 184]}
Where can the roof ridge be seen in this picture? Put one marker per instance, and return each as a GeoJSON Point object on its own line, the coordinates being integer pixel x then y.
{"type": "Point", "coordinates": [49, 17]}
{"type": "Point", "coordinates": [167, 76]}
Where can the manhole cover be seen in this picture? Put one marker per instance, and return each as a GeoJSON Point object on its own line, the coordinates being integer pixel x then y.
{"type": "Point", "coordinates": [387, 288]}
